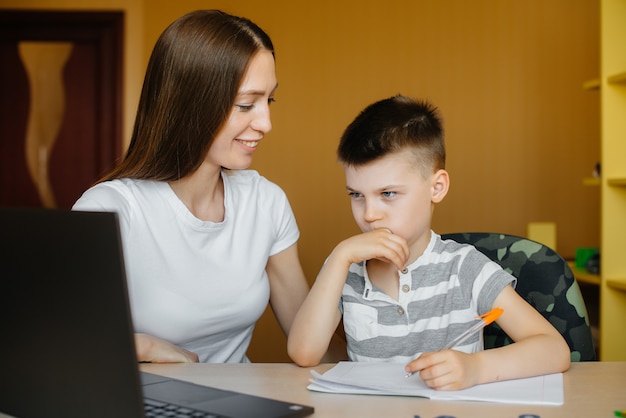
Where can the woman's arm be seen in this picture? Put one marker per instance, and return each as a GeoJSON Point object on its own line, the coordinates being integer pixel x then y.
{"type": "Point", "coordinates": [288, 286]}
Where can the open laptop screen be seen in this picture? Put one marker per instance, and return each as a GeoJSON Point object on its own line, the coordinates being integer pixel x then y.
{"type": "Point", "coordinates": [67, 336]}
{"type": "Point", "coordinates": [64, 316]}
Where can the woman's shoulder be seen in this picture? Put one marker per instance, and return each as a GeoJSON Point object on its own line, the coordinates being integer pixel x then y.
{"type": "Point", "coordinates": [114, 194]}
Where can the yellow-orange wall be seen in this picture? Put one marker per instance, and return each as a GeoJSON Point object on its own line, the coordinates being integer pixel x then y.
{"type": "Point", "coordinates": [507, 77]}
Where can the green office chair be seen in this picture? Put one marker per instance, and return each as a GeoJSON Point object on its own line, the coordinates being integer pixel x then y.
{"type": "Point", "coordinates": [545, 280]}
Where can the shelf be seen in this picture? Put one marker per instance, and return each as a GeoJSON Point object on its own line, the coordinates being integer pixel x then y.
{"type": "Point", "coordinates": [592, 181]}
{"type": "Point", "coordinates": [618, 182]}
{"type": "Point", "coordinates": [595, 84]}
{"type": "Point", "coordinates": [592, 84]}
{"type": "Point", "coordinates": [619, 78]}
{"type": "Point", "coordinates": [615, 182]}
{"type": "Point", "coordinates": [582, 275]}
{"type": "Point", "coordinates": [617, 284]}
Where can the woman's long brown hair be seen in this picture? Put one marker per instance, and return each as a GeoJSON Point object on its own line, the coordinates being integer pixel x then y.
{"type": "Point", "coordinates": [190, 86]}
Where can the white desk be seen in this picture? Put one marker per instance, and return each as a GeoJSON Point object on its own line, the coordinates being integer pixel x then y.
{"type": "Point", "coordinates": [592, 389]}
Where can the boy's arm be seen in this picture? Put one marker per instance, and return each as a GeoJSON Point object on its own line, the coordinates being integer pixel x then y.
{"type": "Point", "coordinates": [538, 349]}
{"type": "Point", "coordinates": [319, 315]}
{"type": "Point", "coordinates": [338, 347]}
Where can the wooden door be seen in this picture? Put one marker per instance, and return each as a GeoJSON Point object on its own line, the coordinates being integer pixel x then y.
{"type": "Point", "coordinates": [60, 104]}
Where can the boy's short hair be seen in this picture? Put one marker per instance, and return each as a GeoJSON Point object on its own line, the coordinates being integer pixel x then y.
{"type": "Point", "coordinates": [390, 125]}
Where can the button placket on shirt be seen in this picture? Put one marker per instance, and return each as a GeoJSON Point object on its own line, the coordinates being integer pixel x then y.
{"type": "Point", "coordinates": [405, 288]}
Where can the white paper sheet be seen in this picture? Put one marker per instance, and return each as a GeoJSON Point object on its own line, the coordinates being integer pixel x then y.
{"type": "Point", "coordinates": [389, 379]}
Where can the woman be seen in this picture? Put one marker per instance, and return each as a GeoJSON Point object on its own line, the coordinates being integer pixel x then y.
{"type": "Point", "coordinates": [207, 243]}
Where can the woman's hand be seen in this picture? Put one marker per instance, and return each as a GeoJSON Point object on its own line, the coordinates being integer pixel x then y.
{"type": "Point", "coordinates": [156, 350]}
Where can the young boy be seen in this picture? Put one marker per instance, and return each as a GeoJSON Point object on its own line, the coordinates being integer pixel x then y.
{"type": "Point", "coordinates": [404, 293]}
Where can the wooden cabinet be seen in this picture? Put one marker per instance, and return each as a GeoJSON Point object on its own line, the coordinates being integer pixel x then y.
{"type": "Point", "coordinates": [613, 211]}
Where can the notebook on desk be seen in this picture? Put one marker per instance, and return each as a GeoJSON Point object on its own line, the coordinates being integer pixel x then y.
{"type": "Point", "coordinates": [67, 338]}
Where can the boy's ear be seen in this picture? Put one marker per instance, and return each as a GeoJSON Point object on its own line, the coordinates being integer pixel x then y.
{"type": "Point", "coordinates": [441, 184]}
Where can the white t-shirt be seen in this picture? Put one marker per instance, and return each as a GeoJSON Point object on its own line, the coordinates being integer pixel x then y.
{"type": "Point", "coordinates": [200, 285]}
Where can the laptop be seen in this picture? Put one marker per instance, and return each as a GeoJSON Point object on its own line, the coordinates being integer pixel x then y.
{"type": "Point", "coordinates": [67, 346]}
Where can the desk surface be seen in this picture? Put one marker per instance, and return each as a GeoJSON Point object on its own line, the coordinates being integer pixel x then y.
{"type": "Point", "coordinates": [592, 389]}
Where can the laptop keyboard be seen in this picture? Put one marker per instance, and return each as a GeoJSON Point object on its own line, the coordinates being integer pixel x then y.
{"type": "Point", "coordinates": [157, 409]}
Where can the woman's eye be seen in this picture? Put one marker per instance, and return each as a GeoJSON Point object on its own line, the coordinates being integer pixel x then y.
{"type": "Point", "coordinates": [244, 107]}
{"type": "Point", "coordinates": [248, 107]}
{"type": "Point", "coordinates": [389, 195]}
{"type": "Point", "coordinates": [354, 195]}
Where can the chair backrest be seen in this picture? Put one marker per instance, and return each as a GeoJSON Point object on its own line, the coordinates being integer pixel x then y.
{"type": "Point", "coordinates": [545, 280]}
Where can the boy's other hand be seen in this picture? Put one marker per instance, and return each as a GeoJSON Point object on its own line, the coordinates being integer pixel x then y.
{"type": "Point", "coordinates": [381, 244]}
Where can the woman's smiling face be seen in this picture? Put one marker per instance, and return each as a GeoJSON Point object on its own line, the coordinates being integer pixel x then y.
{"type": "Point", "coordinates": [249, 119]}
